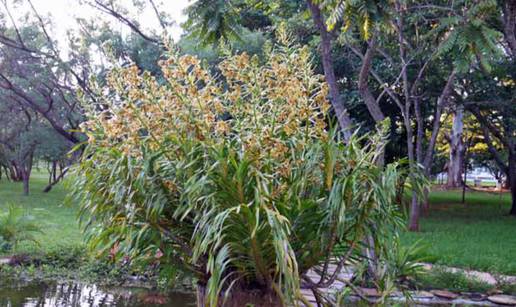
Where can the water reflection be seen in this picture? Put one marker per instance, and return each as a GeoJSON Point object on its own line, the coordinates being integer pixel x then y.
{"type": "Point", "coordinates": [67, 294]}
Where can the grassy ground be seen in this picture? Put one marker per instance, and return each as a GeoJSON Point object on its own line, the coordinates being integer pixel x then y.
{"type": "Point", "coordinates": [58, 222]}
{"type": "Point", "coordinates": [477, 235]}
{"type": "Point", "coordinates": [61, 253]}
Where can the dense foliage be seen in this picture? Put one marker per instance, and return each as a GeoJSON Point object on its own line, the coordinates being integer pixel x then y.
{"type": "Point", "coordinates": [235, 169]}
{"type": "Point", "coordinates": [236, 179]}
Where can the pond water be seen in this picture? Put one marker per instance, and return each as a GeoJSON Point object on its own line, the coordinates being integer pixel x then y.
{"type": "Point", "coordinates": [70, 294]}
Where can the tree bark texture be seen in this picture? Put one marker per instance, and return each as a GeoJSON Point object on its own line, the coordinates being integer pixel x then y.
{"type": "Point", "coordinates": [457, 150]}
{"type": "Point", "coordinates": [329, 71]}
{"type": "Point", "coordinates": [511, 178]}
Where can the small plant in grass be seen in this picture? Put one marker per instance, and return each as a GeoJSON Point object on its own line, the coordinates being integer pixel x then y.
{"type": "Point", "coordinates": [5, 246]}
{"type": "Point", "coordinates": [440, 278]}
{"type": "Point", "coordinates": [16, 226]}
{"type": "Point", "coordinates": [398, 267]}
{"type": "Point", "coordinates": [236, 180]}
{"type": "Point", "coordinates": [507, 288]}
{"type": "Point", "coordinates": [404, 263]}
{"type": "Point", "coordinates": [505, 284]}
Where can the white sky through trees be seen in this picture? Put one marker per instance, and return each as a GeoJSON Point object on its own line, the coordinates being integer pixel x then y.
{"type": "Point", "coordinates": [64, 12]}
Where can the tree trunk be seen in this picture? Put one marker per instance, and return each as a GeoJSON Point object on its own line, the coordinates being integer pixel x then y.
{"type": "Point", "coordinates": [25, 170]}
{"type": "Point", "coordinates": [414, 203]}
{"type": "Point", "coordinates": [509, 25]}
{"type": "Point", "coordinates": [511, 178]}
{"type": "Point", "coordinates": [506, 185]}
{"type": "Point", "coordinates": [414, 213]}
{"type": "Point", "coordinates": [54, 171]}
{"type": "Point", "coordinates": [363, 86]}
{"type": "Point", "coordinates": [25, 183]}
{"type": "Point", "coordinates": [56, 180]}
{"type": "Point", "coordinates": [457, 149]}
{"type": "Point", "coordinates": [241, 297]}
{"type": "Point", "coordinates": [25, 177]}
{"type": "Point", "coordinates": [16, 173]}
{"type": "Point", "coordinates": [329, 71]}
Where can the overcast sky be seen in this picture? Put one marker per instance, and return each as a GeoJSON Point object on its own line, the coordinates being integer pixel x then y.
{"type": "Point", "coordinates": [64, 12]}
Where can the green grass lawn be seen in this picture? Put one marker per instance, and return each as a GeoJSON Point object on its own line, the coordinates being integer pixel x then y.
{"type": "Point", "coordinates": [477, 235]}
{"type": "Point", "coordinates": [58, 222]}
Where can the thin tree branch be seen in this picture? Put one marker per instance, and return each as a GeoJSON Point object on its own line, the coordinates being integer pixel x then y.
{"type": "Point", "coordinates": [133, 26]}
{"type": "Point", "coordinates": [442, 102]}
{"type": "Point", "coordinates": [363, 86]}
{"type": "Point", "coordinates": [484, 122]}
{"type": "Point", "coordinates": [158, 16]}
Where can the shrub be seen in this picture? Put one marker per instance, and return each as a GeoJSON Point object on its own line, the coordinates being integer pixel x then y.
{"type": "Point", "coordinates": [17, 226]}
{"type": "Point", "coordinates": [234, 179]}
{"type": "Point", "coordinates": [4, 245]}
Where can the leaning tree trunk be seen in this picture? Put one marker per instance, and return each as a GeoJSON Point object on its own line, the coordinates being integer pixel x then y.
{"type": "Point", "coordinates": [25, 179]}
{"type": "Point", "coordinates": [241, 297]}
{"type": "Point", "coordinates": [457, 150]}
{"type": "Point", "coordinates": [56, 180]}
{"type": "Point", "coordinates": [329, 71]}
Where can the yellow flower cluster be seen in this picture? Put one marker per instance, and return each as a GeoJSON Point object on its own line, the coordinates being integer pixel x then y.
{"type": "Point", "coordinates": [264, 104]}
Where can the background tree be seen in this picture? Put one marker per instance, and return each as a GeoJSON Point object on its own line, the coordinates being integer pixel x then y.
{"type": "Point", "coordinates": [18, 142]}
{"type": "Point", "coordinates": [31, 74]}
{"type": "Point", "coordinates": [457, 149]}
{"type": "Point", "coordinates": [23, 138]}
{"type": "Point", "coordinates": [40, 91]}
{"type": "Point", "coordinates": [497, 119]}
{"type": "Point", "coordinates": [411, 62]}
